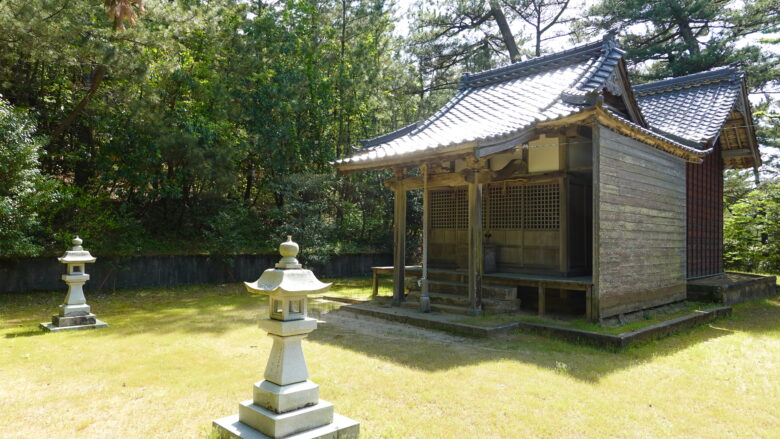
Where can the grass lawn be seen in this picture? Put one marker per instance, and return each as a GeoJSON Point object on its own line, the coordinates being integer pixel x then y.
{"type": "Point", "coordinates": [174, 359]}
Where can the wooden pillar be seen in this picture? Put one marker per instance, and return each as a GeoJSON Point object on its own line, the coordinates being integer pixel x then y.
{"type": "Point", "coordinates": [563, 226]}
{"type": "Point", "coordinates": [476, 252]}
{"type": "Point", "coordinates": [399, 245]}
{"type": "Point", "coordinates": [589, 303]}
{"type": "Point", "coordinates": [595, 306]}
{"type": "Point", "coordinates": [425, 300]}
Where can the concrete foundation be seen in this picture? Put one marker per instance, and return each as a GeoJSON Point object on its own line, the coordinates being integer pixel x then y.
{"type": "Point", "coordinates": [731, 288]}
{"type": "Point", "coordinates": [51, 327]}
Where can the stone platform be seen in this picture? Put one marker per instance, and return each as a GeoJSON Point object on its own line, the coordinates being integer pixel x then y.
{"type": "Point", "coordinates": [731, 288]}
{"type": "Point", "coordinates": [342, 427]}
{"type": "Point", "coordinates": [51, 327]}
{"type": "Point", "coordinates": [450, 323]}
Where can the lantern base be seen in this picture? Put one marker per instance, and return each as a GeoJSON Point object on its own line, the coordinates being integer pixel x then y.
{"type": "Point", "coordinates": [283, 399]}
{"type": "Point", "coordinates": [77, 320]}
{"type": "Point", "coordinates": [75, 310]}
{"type": "Point", "coordinates": [342, 427]}
{"type": "Point", "coordinates": [73, 323]}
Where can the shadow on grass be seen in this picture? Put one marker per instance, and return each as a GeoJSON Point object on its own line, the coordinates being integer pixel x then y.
{"type": "Point", "coordinates": [761, 317]}
{"type": "Point", "coordinates": [216, 309]}
{"type": "Point", "coordinates": [579, 361]}
{"type": "Point", "coordinates": [26, 333]}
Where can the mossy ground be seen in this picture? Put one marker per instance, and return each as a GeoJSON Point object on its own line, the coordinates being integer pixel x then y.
{"type": "Point", "coordinates": [174, 359]}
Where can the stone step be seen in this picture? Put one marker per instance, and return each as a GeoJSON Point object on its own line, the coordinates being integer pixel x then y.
{"type": "Point", "coordinates": [501, 292]}
{"type": "Point", "coordinates": [441, 298]}
{"type": "Point", "coordinates": [451, 300]}
{"type": "Point", "coordinates": [285, 424]}
{"type": "Point", "coordinates": [436, 307]}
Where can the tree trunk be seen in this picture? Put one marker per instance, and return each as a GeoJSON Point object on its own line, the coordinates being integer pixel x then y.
{"type": "Point", "coordinates": [685, 28]}
{"type": "Point", "coordinates": [97, 79]}
{"type": "Point", "coordinates": [538, 51]}
{"type": "Point", "coordinates": [506, 33]}
{"type": "Point", "coordinates": [250, 178]}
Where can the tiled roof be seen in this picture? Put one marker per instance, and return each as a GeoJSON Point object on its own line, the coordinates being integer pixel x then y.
{"type": "Point", "coordinates": [500, 103]}
{"type": "Point", "coordinates": [692, 107]}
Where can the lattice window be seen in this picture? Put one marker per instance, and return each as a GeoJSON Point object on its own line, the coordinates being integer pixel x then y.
{"type": "Point", "coordinates": [502, 206]}
{"type": "Point", "coordinates": [541, 207]}
{"type": "Point", "coordinates": [518, 206]}
{"type": "Point", "coordinates": [449, 208]}
{"type": "Point", "coordinates": [510, 205]}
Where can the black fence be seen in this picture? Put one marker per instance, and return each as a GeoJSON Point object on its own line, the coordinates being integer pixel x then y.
{"type": "Point", "coordinates": [110, 273]}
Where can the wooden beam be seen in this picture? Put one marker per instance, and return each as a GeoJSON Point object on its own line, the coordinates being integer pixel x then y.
{"type": "Point", "coordinates": [476, 252]}
{"type": "Point", "coordinates": [399, 244]}
{"type": "Point", "coordinates": [486, 149]}
{"type": "Point", "coordinates": [734, 153]}
{"type": "Point", "coordinates": [466, 177]}
{"type": "Point", "coordinates": [435, 180]}
{"type": "Point", "coordinates": [425, 300]}
{"type": "Point", "coordinates": [595, 311]}
{"type": "Point", "coordinates": [563, 226]}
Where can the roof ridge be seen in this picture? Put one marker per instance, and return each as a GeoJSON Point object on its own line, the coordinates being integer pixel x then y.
{"type": "Point", "coordinates": [717, 74]}
{"type": "Point", "coordinates": [533, 65]}
{"type": "Point", "coordinates": [596, 76]}
{"type": "Point", "coordinates": [378, 140]}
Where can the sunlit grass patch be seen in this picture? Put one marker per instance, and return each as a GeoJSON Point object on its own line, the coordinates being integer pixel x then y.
{"type": "Point", "coordinates": [174, 359]}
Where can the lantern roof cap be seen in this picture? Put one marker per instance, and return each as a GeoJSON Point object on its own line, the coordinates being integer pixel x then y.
{"type": "Point", "coordinates": [288, 278]}
{"type": "Point", "coordinates": [77, 254]}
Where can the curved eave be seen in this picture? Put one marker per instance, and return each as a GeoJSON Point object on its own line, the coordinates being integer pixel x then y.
{"type": "Point", "coordinates": [598, 113]}
{"type": "Point", "coordinates": [630, 129]}
{"type": "Point", "coordinates": [749, 125]}
{"type": "Point", "coordinates": [287, 282]}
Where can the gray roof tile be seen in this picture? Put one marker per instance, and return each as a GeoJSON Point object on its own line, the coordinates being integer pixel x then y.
{"type": "Point", "coordinates": [501, 102]}
{"type": "Point", "coordinates": [496, 104]}
{"type": "Point", "coordinates": [692, 107]}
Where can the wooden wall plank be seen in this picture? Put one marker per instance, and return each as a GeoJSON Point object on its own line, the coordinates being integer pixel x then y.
{"type": "Point", "coordinates": [641, 225]}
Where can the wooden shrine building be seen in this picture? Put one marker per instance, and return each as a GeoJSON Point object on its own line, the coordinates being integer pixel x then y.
{"type": "Point", "coordinates": [553, 183]}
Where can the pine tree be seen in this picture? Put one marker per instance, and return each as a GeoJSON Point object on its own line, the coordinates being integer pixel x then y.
{"type": "Point", "coordinates": [678, 37]}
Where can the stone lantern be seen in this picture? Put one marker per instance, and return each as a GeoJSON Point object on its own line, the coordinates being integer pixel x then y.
{"type": "Point", "coordinates": [75, 313]}
{"type": "Point", "coordinates": [286, 403]}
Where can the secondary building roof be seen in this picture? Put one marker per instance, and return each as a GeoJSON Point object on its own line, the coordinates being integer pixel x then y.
{"type": "Point", "coordinates": [702, 108]}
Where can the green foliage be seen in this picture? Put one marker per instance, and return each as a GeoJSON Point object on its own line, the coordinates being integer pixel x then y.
{"type": "Point", "coordinates": [752, 231]}
{"type": "Point", "coordinates": [674, 38]}
{"type": "Point", "coordinates": [212, 127]}
{"type": "Point", "coordinates": [23, 190]}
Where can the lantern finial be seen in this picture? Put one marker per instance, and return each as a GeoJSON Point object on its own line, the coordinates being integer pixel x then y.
{"type": "Point", "coordinates": [288, 250]}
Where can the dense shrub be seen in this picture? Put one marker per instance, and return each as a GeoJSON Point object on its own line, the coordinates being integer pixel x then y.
{"type": "Point", "coordinates": [23, 190]}
{"type": "Point", "coordinates": [752, 231]}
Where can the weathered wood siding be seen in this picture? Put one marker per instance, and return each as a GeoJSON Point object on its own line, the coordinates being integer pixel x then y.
{"type": "Point", "coordinates": [705, 216]}
{"type": "Point", "coordinates": [640, 223]}
{"type": "Point", "coordinates": [448, 248]}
